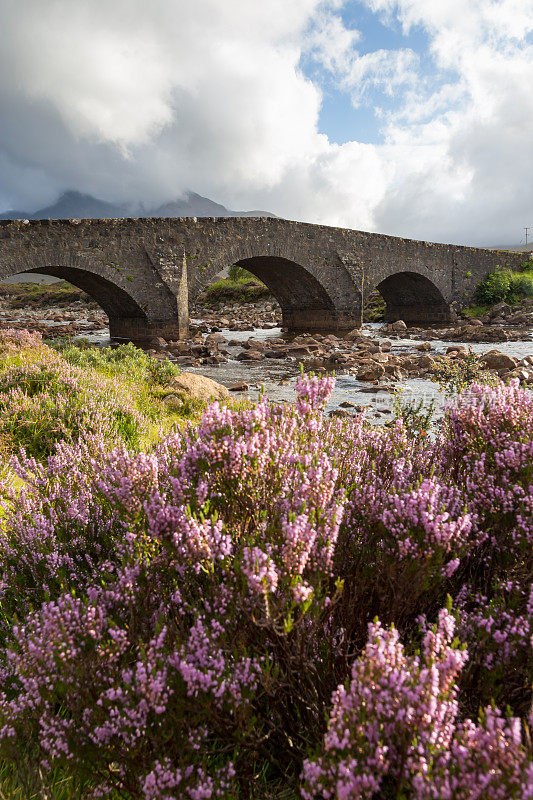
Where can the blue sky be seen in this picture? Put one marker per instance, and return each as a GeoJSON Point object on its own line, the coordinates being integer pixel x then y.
{"type": "Point", "coordinates": [339, 119]}
{"type": "Point", "coordinates": [409, 117]}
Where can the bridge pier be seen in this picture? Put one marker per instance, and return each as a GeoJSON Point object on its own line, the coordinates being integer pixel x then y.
{"type": "Point", "coordinates": [142, 331]}
{"type": "Point", "coordinates": [419, 314]}
{"type": "Point", "coordinates": [321, 320]}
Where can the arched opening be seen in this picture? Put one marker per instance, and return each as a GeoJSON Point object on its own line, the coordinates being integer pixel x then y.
{"type": "Point", "coordinates": [125, 317]}
{"type": "Point", "coordinates": [413, 298]}
{"type": "Point", "coordinates": [114, 300]}
{"type": "Point", "coordinates": [305, 303]}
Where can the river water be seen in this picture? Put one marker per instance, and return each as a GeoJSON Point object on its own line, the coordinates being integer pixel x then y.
{"type": "Point", "coordinates": [276, 378]}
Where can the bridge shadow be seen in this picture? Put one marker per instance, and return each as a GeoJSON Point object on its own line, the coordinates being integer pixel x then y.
{"type": "Point", "coordinates": [413, 298]}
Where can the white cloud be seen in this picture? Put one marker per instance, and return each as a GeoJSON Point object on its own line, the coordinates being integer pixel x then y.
{"type": "Point", "coordinates": [334, 46]}
{"type": "Point", "coordinates": [132, 100]}
{"type": "Point", "coordinates": [474, 129]}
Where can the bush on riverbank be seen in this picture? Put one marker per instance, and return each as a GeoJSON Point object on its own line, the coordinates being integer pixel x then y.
{"type": "Point", "coordinates": [126, 360]}
{"type": "Point", "coordinates": [42, 295]}
{"type": "Point", "coordinates": [506, 285]}
{"type": "Point", "coordinates": [200, 620]}
{"type": "Point", "coordinates": [241, 290]}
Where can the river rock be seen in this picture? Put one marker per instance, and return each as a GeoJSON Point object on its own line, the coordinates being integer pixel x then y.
{"type": "Point", "coordinates": [497, 361]}
{"type": "Point", "coordinates": [399, 325]}
{"type": "Point", "coordinates": [253, 344]}
{"type": "Point", "coordinates": [198, 387]}
{"type": "Point", "coordinates": [524, 375]}
{"type": "Point", "coordinates": [372, 372]}
{"type": "Point", "coordinates": [425, 362]}
{"type": "Point", "coordinates": [394, 372]}
{"type": "Point", "coordinates": [214, 339]}
{"type": "Point", "coordinates": [500, 310]}
{"type": "Point", "coordinates": [250, 355]}
{"type": "Point", "coordinates": [354, 336]}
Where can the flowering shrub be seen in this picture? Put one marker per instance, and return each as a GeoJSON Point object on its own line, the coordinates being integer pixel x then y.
{"type": "Point", "coordinates": [12, 339]}
{"type": "Point", "coordinates": [182, 623]}
{"type": "Point", "coordinates": [45, 400]}
{"type": "Point", "coordinates": [45, 403]}
{"type": "Point", "coordinates": [393, 731]}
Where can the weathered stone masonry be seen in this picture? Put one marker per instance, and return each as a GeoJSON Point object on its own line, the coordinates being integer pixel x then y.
{"type": "Point", "coordinates": [136, 269]}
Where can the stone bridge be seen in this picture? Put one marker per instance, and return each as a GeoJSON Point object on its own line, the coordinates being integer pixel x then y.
{"type": "Point", "coordinates": [145, 272]}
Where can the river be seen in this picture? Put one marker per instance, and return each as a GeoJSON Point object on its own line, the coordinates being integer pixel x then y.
{"type": "Point", "coordinates": [277, 377]}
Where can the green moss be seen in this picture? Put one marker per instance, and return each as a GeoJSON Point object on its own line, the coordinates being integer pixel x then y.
{"type": "Point", "coordinates": [475, 311]}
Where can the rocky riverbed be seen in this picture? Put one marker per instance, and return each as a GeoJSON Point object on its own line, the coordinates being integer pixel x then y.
{"type": "Point", "coordinates": [242, 346]}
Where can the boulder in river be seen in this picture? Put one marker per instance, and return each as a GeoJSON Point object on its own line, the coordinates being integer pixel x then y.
{"type": "Point", "coordinates": [496, 360]}
{"type": "Point", "coordinates": [372, 372]}
{"type": "Point", "coordinates": [399, 325]}
{"type": "Point", "coordinates": [198, 387]}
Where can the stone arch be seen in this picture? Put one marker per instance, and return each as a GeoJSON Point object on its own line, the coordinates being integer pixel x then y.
{"type": "Point", "coordinates": [126, 316]}
{"type": "Point", "coordinates": [313, 296]}
{"type": "Point", "coordinates": [414, 298]}
{"type": "Point", "coordinates": [138, 303]}
{"type": "Point", "coordinates": [110, 297]}
{"type": "Point", "coordinates": [304, 301]}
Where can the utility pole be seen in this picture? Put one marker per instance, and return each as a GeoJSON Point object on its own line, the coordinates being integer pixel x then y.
{"type": "Point", "coordinates": [526, 230]}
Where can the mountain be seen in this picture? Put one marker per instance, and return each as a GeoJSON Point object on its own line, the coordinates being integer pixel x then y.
{"type": "Point", "coordinates": [193, 205]}
{"type": "Point", "coordinates": [525, 248]}
{"type": "Point", "coordinates": [74, 205]}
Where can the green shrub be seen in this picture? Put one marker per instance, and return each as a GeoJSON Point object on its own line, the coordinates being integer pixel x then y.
{"type": "Point", "coordinates": [454, 376]}
{"type": "Point", "coordinates": [504, 284]}
{"type": "Point", "coordinates": [236, 274]}
{"type": "Point", "coordinates": [244, 290]}
{"type": "Point", "coordinates": [522, 284]}
{"type": "Point", "coordinates": [126, 359]}
{"type": "Point", "coordinates": [494, 288]}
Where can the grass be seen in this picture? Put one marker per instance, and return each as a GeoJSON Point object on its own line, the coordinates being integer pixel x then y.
{"type": "Point", "coordinates": [472, 312]}
{"type": "Point", "coordinates": [131, 383]}
{"type": "Point", "coordinates": [59, 787]}
{"type": "Point", "coordinates": [243, 290]}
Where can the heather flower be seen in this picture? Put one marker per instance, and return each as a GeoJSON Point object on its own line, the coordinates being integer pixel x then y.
{"type": "Point", "coordinates": [177, 621]}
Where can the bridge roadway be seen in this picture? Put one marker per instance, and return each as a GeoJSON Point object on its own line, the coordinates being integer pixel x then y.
{"type": "Point", "coordinates": [145, 272]}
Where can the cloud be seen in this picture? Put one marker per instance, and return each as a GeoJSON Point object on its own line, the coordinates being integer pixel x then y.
{"type": "Point", "coordinates": [334, 46]}
{"type": "Point", "coordinates": [140, 101]}
{"type": "Point", "coordinates": [473, 128]}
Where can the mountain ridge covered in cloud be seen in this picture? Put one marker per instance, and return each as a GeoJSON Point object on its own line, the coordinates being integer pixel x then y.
{"type": "Point", "coordinates": [76, 205]}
